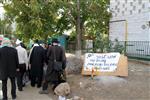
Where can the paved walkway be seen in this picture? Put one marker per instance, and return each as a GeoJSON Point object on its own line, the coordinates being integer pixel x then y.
{"type": "Point", "coordinates": [29, 93]}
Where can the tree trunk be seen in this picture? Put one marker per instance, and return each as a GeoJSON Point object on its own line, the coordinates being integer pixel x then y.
{"type": "Point", "coordinates": [78, 30]}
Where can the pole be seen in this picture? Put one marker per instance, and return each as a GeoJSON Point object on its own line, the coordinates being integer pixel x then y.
{"type": "Point", "coordinates": [126, 36]}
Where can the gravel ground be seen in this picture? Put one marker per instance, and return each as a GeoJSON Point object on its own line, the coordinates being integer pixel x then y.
{"type": "Point", "coordinates": [134, 87]}
{"type": "Point", "coordinates": [29, 93]}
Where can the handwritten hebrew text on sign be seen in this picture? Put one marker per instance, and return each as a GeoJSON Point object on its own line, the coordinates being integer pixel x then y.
{"type": "Point", "coordinates": [101, 62]}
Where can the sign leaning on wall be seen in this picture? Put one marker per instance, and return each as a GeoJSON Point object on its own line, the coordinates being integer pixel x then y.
{"type": "Point", "coordinates": [105, 64]}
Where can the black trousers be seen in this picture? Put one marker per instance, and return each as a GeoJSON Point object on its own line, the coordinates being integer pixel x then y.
{"type": "Point", "coordinates": [13, 88]}
{"type": "Point", "coordinates": [55, 83]}
{"type": "Point", "coordinates": [45, 85]}
{"type": "Point", "coordinates": [20, 73]}
{"type": "Point", "coordinates": [36, 80]}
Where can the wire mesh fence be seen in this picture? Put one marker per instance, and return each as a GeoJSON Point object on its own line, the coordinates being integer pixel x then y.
{"type": "Point", "coordinates": [139, 49]}
{"type": "Point", "coordinates": [136, 49]}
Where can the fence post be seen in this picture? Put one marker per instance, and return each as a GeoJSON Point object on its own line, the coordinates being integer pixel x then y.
{"type": "Point", "coordinates": [125, 50]}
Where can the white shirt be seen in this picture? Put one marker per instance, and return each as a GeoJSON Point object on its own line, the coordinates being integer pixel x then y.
{"type": "Point", "coordinates": [22, 55]}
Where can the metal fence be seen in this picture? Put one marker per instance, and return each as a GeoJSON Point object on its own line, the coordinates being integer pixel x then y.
{"type": "Point", "coordinates": [134, 49]}
{"type": "Point", "coordinates": [138, 49]}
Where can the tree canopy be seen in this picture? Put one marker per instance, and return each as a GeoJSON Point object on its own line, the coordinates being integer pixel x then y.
{"type": "Point", "coordinates": [5, 28]}
{"type": "Point", "coordinates": [54, 16]}
{"type": "Point", "coordinates": [43, 18]}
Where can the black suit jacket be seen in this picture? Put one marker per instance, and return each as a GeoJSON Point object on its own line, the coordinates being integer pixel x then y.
{"type": "Point", "coordinates": [58, 53]}
{"type": "Point", "coordinates": [8, 62]}
{"type": "Point", "coordinates": [37, 60]}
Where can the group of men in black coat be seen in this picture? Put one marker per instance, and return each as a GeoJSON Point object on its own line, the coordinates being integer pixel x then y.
{"type": "Point", "coordinates": [54, 52]}
{"type": "Point", "coordinates": [37, 58]}
{"type": "Point", "coordinates": [9, 66]}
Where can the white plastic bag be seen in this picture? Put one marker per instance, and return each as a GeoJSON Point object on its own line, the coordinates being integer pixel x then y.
{"type": "Point", "coordinates": [61, 98]}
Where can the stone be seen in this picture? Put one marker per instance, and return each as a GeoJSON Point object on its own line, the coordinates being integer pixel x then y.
{"type": "Point", "coordinates": [62, 89]}
{"type": "Point", "coordinates": [74, 64]}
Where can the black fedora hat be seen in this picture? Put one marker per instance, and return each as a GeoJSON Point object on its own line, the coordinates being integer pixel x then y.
{"type": "Point", "coordinates": [55, 40]}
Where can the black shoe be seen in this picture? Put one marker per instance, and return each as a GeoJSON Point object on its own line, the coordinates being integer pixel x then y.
{"type": "Point", "coordinates": [38, 86]}
{"type": "Point", "coordinates": [14, 97]}
{"type": "Point", "coordinates": [33, 85]}
{"type": "Point", "coordinates": [43, 92]}
{"type": "Point", "coordinates": [23, 85]}
{"type": "Point", "coordinates": [20, 89]}
{"type": "Point", "coordinates": [4, 99]}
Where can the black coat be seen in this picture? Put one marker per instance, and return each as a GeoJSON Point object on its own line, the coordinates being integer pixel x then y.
{"type": "Point", "coordinates": [8, 62]}
{"type": "Point", "coordinates": [37, 59]}
{"type": "Point", "coordinates": [51, 74]}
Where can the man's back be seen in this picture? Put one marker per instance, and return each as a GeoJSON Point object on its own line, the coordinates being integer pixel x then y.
{"type": "Point", "coordinates": [37, 55]}
{"type": "Point", "coordinates": [55, 52]}
{"type": "Point", "coordinates": [22, 55]}
{"type": "Point", "coordinates": [8, 62]}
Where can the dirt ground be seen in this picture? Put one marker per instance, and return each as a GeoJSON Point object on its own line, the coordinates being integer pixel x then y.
{"type": "Point", "coordinates": [134, 87]}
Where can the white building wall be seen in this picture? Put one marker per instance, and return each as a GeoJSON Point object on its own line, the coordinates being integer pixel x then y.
{"type": "Point", "coordinates": [149, 25]}
{"type": "Point", "coordinates": [117, 30]}
{"type": "Point", "coordinates": [138, 27]}
{"type": "Point", "coordinates": [137, 15]}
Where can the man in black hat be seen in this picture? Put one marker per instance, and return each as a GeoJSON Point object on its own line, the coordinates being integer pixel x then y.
{"type": "Point", "coordinates": [37, 59]}
{"type": "Point", "coordinates": [55, 52]}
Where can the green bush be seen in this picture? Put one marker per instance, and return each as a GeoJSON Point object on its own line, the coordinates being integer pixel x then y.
{"type": "Point", "coordinates": [102, 44]}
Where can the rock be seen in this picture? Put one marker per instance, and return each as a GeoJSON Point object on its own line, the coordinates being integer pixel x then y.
{"type": "Point", "coordinates": [74, 65]}
{"type": "Point", "coordinates": [62, 89]}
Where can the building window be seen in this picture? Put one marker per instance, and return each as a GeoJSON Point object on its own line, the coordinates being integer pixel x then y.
{"type": "Point", "coordinates": [143, 6]}
{"type": "Point", "coordinates": [139, 11]}
{"type": "Point", "coordinates": [134, 8]}
{"type": "Point", "coordinates": [122, 12]}
{"type": "Point", "coordinates": [123, 5]}
{"type": "Point", "coordinates": [118, 2]}
{"type": "Point", "coordinates": [140, 2]}
{"type": "Point", "coordinates": [118, 10]}
{"type": "Point", "coordinates": [131, 3]}
{"type": "Point", "coordinates": [116, 7]}
{"type": "Point", "coordinates": [130, 12]}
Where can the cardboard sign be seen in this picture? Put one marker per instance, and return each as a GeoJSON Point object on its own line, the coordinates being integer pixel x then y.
{"type": "Point", "coordinates": [105, 64]}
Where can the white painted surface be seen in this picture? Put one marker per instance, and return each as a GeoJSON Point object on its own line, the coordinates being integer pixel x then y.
{"type": "Point", "coordinates": [102, 62]}
{"type": "Point", "coordinates": [117, 31]}
{"type": "Point", "coordinates": [138, 22]}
